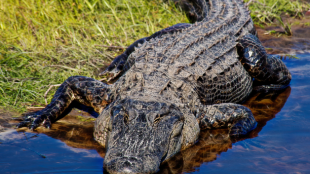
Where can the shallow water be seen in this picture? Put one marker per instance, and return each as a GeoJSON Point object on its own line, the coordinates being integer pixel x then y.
{"type": "Point", "coordinates": [279, 144]}
{"type": "Point", "coordinates": [71, 150]}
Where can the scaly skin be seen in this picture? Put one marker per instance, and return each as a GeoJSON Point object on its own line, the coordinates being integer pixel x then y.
{"type": "Point", "coordinates": [172, 84]}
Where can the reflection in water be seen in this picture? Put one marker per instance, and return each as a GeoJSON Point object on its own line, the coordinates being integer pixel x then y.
{"type": "Point", "coordinates": [75, 131]}
{"type": "Point", "coordinates": [265, 106]}
{"type": "Point", "coordinates": [213, 142]}
{"type": "Point", "coordinates": [79, 134]}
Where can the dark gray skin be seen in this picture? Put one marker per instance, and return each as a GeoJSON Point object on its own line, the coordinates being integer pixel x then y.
{"type": "Point", "coordinates": [142, 143]}
{"type": "Point", "coordinates": [171, 85]}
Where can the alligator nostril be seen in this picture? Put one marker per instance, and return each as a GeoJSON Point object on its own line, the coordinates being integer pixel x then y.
{"type": "Point", "coordinates": [127, 164]}
{"type": "Point", "coordinates": [124, 165]}
{"type": "Point", "coordinates": [129, 167]}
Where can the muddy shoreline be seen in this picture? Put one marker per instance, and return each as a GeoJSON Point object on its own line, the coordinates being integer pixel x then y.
{"type": "Point", "coordinates": [275, 41]}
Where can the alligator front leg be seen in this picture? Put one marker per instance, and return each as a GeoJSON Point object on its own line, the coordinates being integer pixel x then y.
{"type": "Point", "coordinates": [238, 118]}
{"type": "Point", "coordinates": [269, 72]}
{"type": "Point", "coordinates": [85, 90]}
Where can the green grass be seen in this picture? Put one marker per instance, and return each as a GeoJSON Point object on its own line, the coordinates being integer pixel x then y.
{"type": "Point", "coordinates": [265, 12]}
{"type": "Point", "coordinates": [44, 42]}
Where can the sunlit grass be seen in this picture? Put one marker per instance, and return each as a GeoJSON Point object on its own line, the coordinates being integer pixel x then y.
{"type": "Point", "coordinates": [264, 12]}
{"type": "Point", "coordinates": [45, 42]}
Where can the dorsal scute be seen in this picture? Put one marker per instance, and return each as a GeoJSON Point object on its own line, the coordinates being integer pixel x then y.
{"type": "Point", "coordinates": [204, 51]}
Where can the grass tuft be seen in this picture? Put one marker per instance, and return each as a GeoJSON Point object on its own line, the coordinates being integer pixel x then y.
{"type": "Point", "coordinates": [266, 12]}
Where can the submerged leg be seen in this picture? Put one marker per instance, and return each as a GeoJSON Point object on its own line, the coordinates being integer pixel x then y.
{"type": "Point", "coordinates": [119, 66]}
{"type": "Point", "coordinates": [269, 72]}
{"type": "Point", "coordinates": [238, 118]}
{"type": "Point", "coordinates": [84, 90]}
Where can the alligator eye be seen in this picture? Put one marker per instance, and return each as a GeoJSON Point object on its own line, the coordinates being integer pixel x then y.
{"type": "Point", "coordinates": [118, 112]}
{"type": "Point", "coordinates": [126, 118]}
{"type": "Point", "coordinates": [163, 112]}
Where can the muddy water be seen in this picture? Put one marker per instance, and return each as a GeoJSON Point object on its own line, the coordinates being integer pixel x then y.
{"type": "Point", "coordinates": [279, 144]}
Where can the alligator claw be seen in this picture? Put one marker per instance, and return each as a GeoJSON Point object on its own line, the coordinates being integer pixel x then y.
{"type": "Point", "coordinates": [47, 124]}
{"type": "Point", "coordinates": [23, 124]}
{"type": "Point", "coordinates": [34, 120]}
{"type": "Point", "coordinates": [116, 67]}
{"type": "Point", "coordinates": [103, 72]}
{"type": "Point", "coordinates": [113, 74]}
{"type": "Point", "coordinates": [31, 127]}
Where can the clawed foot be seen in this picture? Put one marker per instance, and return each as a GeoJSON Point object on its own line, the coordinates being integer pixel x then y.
{"type": "Point", "coordinates": [116, 67]}
{"type": "Point", "coordinates": [34, 120]}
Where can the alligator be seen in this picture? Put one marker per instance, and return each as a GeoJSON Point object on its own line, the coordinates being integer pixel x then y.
{"type": "Point", "coordinates": [171, 85]}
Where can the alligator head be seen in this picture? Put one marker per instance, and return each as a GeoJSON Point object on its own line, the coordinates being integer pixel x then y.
{"type": "Point", "coordinates": [140, 135]}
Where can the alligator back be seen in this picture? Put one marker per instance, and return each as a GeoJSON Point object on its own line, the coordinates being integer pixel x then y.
{"type": "Point", "coordinates": [198, 63]}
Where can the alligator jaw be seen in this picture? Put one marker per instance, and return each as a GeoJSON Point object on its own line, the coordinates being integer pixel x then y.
{"type": "Point", "coordinates": [143, 134]}
{"type": "Point", "coordinates": [132, 165]}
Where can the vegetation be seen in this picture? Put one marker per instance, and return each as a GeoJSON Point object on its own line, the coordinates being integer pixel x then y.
{"type": "Point", "coordinates": [265, 12]}
{"type": "Point", "coordinates": [44, 42]}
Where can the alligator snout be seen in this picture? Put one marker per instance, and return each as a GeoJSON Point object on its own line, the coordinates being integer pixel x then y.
{"type": "Point", "coordinates": [132, 160]}
{"type": "Point", "coordinates": [124, 165]}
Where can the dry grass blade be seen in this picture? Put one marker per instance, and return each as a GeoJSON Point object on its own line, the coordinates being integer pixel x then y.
{"type": "Point", "coordinates": [48, 90]}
